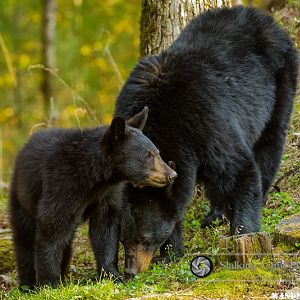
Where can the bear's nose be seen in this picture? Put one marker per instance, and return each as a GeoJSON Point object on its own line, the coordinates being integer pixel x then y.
{"type": "Point", "coordinates": [172, 176]}
{"type": "Point", "coordinates": [130, 273]}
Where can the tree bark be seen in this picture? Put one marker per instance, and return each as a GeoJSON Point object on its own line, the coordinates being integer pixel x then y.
{"type": "Point", "coordinates": [48, 43]}
{"type": "Point", "coordinates": [162, 21]}
{"type": "Point", "coordinates": [244, 248]}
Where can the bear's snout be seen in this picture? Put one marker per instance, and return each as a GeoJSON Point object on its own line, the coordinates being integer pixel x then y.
{"type": "Point", "coordinates": [137, 260]}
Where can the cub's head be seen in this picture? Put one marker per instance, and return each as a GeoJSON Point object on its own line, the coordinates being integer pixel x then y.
{"type": "Point", "coordinates": [133, 156]}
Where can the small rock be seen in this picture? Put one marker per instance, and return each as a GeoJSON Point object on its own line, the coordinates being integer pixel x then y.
{"type": "Point", "coordinates": [5, 279]}
{"type": "Point", "coordinates": [288, 230]}
{"type": "Point", "coordinates": [73, 268]}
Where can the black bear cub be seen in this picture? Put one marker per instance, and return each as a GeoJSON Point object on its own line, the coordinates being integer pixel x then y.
{"type": "Point", "coordinates": [220, 97]}
{"type": "Point", "coordinates": [64, 176]}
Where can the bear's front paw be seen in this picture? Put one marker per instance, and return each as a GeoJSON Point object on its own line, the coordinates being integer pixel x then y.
{"type": "Point", "coordinates": [212, 218]}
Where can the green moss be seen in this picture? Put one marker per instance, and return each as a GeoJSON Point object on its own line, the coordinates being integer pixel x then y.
{"type": "Point", "coordinates": [288, 231]}
{"type": "Point", "coordinates": [235, 283]}
{"type": "Point", "coordinates": [6, 255]}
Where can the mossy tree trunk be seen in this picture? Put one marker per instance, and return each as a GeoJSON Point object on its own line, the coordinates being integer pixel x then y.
{"type": "Point", "coordinates": [243, 248]}
{"type": "Point", "coordinates": [163, 20]}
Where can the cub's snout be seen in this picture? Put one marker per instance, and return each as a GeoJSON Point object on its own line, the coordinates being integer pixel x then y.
{"type": "Point", "coordinates": [161, 174]}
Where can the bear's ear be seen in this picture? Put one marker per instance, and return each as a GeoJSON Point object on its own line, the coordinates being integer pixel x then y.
{"type": "Point", "coordinates": [115, 132]}
{"type": "Point", "coordinates": [169, 189]}
{"type": "Point", "coordinates": [139, 120]}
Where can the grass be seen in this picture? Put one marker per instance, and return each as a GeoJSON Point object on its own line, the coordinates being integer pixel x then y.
{"type": "Point", "coordinates": [175, 280]}
{"type": "Point", "coordinates": [171, 281]}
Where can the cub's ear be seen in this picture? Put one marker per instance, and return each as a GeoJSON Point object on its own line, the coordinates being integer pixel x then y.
{"type": "Point", "coordinates": [169, 192]}
{"type": "Point", "coordinates": [139, 120]}
{"type": "Point", "coordinates": [115, 132]}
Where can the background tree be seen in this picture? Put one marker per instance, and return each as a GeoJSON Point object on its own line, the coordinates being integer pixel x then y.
{"type": "Point", "coordinates": [48, 46]}
{"type": "Point", "coordinates": [162, 21]}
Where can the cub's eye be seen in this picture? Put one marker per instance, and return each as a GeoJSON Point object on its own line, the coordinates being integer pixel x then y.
{"type": "Point", "coordinates": [148, 156]}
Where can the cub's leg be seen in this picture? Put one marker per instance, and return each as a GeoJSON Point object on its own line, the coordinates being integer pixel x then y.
{"type": "Point", "coordinates": [23, 236]}
{"type": "Point", "coordinates": [57, 222]}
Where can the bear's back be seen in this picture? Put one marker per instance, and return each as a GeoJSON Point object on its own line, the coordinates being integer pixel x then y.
{"type": "Point", "coordinates": [217, 78]}
{"type": "Point", "coordinates": [236, 32]}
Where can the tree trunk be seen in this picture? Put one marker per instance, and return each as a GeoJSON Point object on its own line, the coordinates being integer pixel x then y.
{"type": "Point", "coordinates": [163, 20]}
{"type": "Point", "coordinates": [48, 43]}
{"type": "Point", "coordinates": [244, 248]}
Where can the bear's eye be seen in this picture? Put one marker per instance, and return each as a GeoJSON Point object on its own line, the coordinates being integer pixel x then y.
{"type": "Point", "coordinates": [146, 239]}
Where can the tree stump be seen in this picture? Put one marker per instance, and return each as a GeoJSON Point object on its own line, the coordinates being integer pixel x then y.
{"type": "Point", "coordinates": [243, 248]}
{"type": "Point", "coordinates": [288, 230]}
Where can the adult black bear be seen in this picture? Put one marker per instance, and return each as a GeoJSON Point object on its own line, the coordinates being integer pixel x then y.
{"type": "Point", "coordinates": [220, 97]}
{"type": "Point", "coordinates": [63, 176]}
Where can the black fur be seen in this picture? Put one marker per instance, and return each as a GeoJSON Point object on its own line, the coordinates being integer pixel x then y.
{"type": "Point", "coordinates": [64, 176]}
{"type": "Point", "coordinates": [220, 98]}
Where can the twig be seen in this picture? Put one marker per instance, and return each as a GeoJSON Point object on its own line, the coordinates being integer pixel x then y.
{"type": "Point", "coordinates": [5, 231]}
{"type": "Point", "coordinates": [287, 174]}
{"type": "Point", "coordinates": [37, 125]}
{"type": "Point", "coordinates": [75, 94]}
{"type": "Point", "coordinates": [77, 111]}
{"type": "Point", "coordinates": [114, 65]}
{"type": "Point", "coordinates": [2, 186]}
{"type": "Point", "coordinates": [53, 113]}
{"type": "Point", "coordinates": [106, 51]}
{"type": "Point", "coordinates": [8, 60]}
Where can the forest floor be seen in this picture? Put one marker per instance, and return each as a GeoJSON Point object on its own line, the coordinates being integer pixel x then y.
{"type": "Point", "coordinates": [265, 278]}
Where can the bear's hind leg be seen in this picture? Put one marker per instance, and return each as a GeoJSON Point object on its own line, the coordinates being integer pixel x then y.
{"type": "Point", "coordinates": [268, 150]}
{"type": "Point", "coordinates": [238, 193]}
{"type": "Point", "coordinates": [66, 259]}
{"type": "Point", "coordinates": [245, 200]}
{"type": "Point", "coordinates": [23, 236]}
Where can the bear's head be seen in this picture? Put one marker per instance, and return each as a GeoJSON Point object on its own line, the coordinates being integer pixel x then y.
{"type": "Point", "coordinates": [149, 216]}
{"type": "Point", "coordinates": [133, 156]}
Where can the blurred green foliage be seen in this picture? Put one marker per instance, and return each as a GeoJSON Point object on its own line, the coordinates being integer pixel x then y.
{"type": "Point", "coordinates": [90, 36]}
